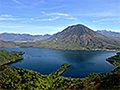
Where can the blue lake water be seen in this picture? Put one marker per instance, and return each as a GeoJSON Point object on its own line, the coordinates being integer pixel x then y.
{"type": "Point", "coordinates": [46, 61]}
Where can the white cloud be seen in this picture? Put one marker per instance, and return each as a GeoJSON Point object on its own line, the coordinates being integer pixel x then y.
{"type": "Point", "coordinates": [6, 15]}
{"type": "Point", "coordinates": [101, 14]}
{"type": "Point", "coordinates": [60, 15]}
{"type": "Point", "coordinates": [57, 14]}
{"type": "Point", "coordinates": [43, 12]}
{"type": "Point", "coordinates": [105, 20]}
{"type": "Point", "coordinates": [5, 19]}
{"type": "Point", "coordinates": [41, 2]}
{"type": "Point", "coordinates": [49, 27]}
{"type": "Point", "coordinates": [53, 16]}
{"type": "Point", "coordinates": [16, 1]}
{"type": "Point", "coordinates": [32, 19]}
{"type": "Point", "coordinates": [46, 19]}
{"type": "Point", "coordinates": [10, 26]}
{"type": "Point", "coordinates": [57, 7]}
{"type": "Point", "coordinates": [72, 18]}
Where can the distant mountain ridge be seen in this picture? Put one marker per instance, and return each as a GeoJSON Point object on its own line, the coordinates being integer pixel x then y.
{"type": "Point", "coordinates": [109, 33]}
{"type": "Point", "coordinates": [22, 37]}
{"type": "Point", "coordinates": [78, 37]}
{"type": "Point", "coordinates": [7, 44]}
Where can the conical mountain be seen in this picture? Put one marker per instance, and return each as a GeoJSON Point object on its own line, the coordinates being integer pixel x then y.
{"type": "Point", "coordinates": [79, 37]}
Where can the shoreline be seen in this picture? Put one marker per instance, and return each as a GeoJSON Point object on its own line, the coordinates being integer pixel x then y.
{"type": "Point", "coordinates": [75, 49]}
{"type": "Point", "coordinates": [114, 62]}
{"type": "Point", "coordinates": [65, 49]}
{"type": "Point", "coordinates": [9, 62]}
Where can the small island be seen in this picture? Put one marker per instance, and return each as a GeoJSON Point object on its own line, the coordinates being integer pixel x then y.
{"type": "Point", "coordinates": [17, 78]}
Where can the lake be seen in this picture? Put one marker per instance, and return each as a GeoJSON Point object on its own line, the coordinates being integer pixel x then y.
{"type": "Point", "coordinates": [46, 61]}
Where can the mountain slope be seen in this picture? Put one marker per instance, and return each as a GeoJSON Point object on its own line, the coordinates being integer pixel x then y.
{"type": "Point", "coordinates": [22, 37]}
{"type": "Point", "coordinates": [78, 37]}
{"type": "Point", "coordinates": [109, 33]}
{"type": "Point", "coordinates": [7, 44]}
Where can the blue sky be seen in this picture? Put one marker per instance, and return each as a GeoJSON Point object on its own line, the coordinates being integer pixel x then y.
{"type": "Point", "coordinates": [51, 16]}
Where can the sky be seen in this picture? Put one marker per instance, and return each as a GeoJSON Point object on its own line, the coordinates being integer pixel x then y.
{"type": "Point", "coordinates": [52, 16]}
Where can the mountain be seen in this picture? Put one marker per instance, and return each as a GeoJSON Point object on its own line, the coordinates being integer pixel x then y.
{"type": "Point", "coordinates": [77, 37]}
{"type": "Point", "coordinates": [109, 33]}
{"type": "Point", "coordinates": [7, 44]}
{"type": "Point", "coordinates": [22, 37]}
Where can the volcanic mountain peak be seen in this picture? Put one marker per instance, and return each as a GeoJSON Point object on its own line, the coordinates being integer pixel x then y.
{"type": "Point", "coordinates": [79, 37]}
{"type": "Point", "coordinates": [76, 27]}
{"type": "Point", "coordinates": [74, 32]}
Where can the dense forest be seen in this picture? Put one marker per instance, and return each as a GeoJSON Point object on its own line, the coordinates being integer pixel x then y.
{"type": "Point", "coordinates": [7, 57]}
{"type": "Point", "coordinates": [115, 59]}
{"type": "Point", "coordinates": [17, 78]}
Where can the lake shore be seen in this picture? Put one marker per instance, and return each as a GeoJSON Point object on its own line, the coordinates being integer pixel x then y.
{"type": "Point", "coordinates": [9, 62]}
{"type": "Point", "coordinates": [76, 49]}
{"type": "Point", "coordinates": [65, 49]}
{"type": "Point", "coordinates": [114, 61]}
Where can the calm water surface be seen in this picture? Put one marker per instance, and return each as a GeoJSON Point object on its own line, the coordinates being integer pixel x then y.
{"type": "Point", "coordinates": [46, 61]}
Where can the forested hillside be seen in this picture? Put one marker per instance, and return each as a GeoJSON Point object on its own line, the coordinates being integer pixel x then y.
{"type": "Point", "coordinates": [7, 44]}
{"type": "Point", "coordinates": [7, 57]}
